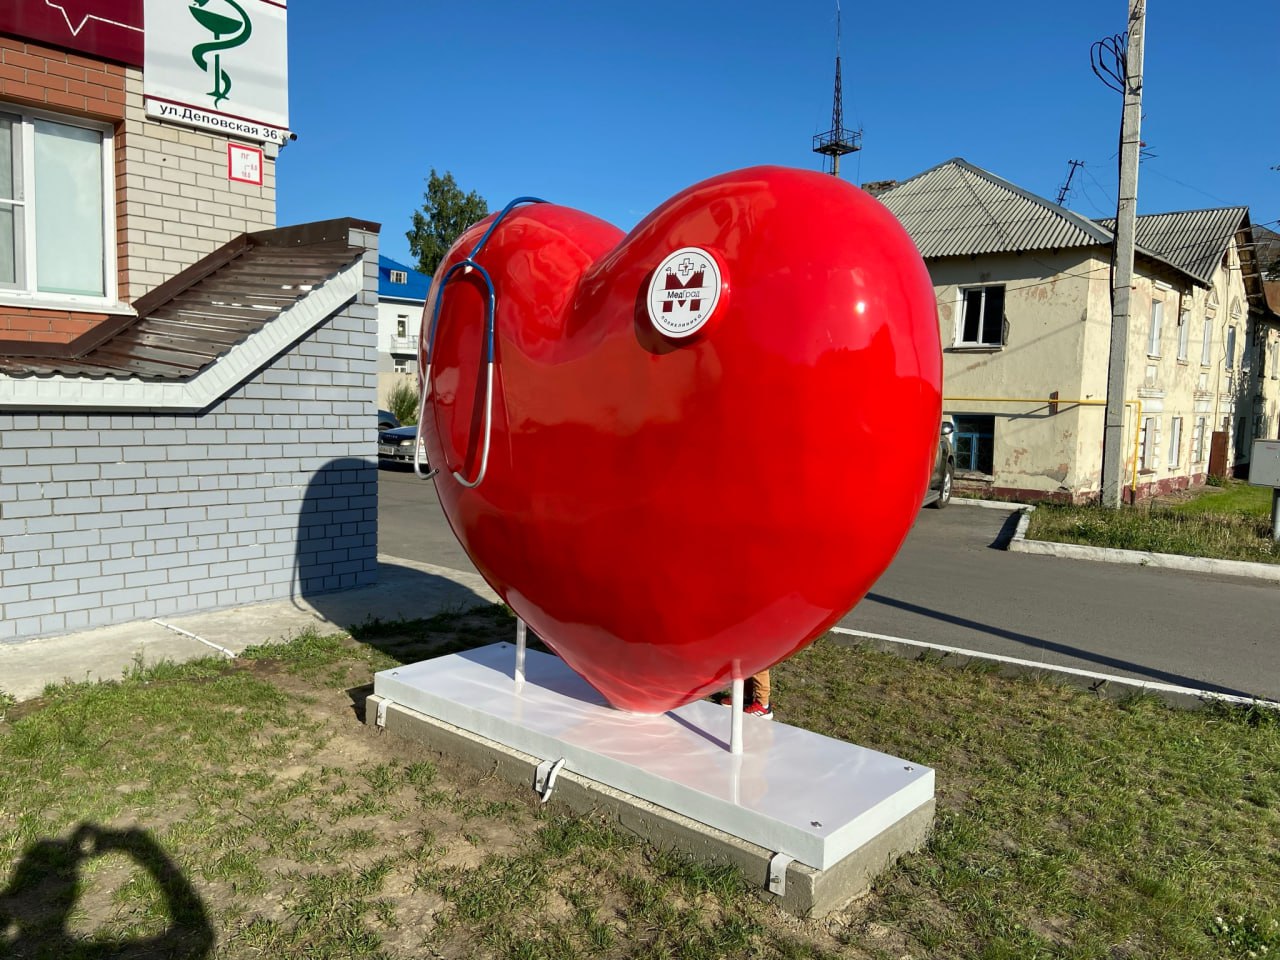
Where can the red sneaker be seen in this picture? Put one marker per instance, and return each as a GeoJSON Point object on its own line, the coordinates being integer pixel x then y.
{"type": "Point", "coordinates": [757, 709]}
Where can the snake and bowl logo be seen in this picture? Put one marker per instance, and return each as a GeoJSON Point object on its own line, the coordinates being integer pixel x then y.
{"type": "Point", "coordinates": [683, 292]}
{"type": "Point", "coordinates": [230, 30]}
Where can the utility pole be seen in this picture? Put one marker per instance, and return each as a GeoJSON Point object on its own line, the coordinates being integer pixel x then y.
{"type": "Point", "coordinates": [1122, 259]}
{"type": "Point", "coordinates": [1066, 187]}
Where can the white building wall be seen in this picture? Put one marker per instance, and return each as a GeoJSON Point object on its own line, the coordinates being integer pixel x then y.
{"type": "Point", "coordinates": [178, 204]}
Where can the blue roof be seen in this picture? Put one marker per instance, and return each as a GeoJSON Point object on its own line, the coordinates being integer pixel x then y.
{"type": "Point", "coordinates": [415, 289]}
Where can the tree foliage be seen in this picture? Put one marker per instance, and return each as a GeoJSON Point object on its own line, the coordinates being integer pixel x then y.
{"type": "Point", "coordinates": [402, 400]}
{"type": "Point", "coordinates": [446, 212]}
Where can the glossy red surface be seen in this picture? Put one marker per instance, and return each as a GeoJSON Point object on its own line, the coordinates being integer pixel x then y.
{"type": "Point", "coordinates": [669, 514]}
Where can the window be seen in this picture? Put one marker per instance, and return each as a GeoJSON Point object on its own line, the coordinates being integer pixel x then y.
{"type": "Point", "coordinates": [1206, 348]}
{"type": "Point", "coordinates": [982, 317]}
{"type": "Point", "coordinates": [975, 443]}
{"type": "Point", "coordinates": [55, 208]}
{"type": "Point", "coordinates": [1157, 323]}
{"type": "Point", "coordinates": [1197, 441]}
{"type": "Point", "coordinates": [400, 364]}
{"type": "Point", "coordinates": [1231, 348]}
{"type": "Point", "coordinates": [1175, 442]}
{"type": "Point", "coordinates": [399, 276]}
{"type": "Point", "coordinates": [402, 325]}
{"type": "Point", "coordinates": [1275, 360]}
{"type": "Point", "coordinates": [1184, 333]}
{"type": "Point", "coordinates": [1149, 440]}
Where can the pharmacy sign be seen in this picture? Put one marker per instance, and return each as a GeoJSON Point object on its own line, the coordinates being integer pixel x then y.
{"type": "Point", "coordinates": [219, 65]}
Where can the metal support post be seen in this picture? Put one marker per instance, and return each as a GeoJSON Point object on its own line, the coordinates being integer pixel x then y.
{"type": "Point", "coordinates": [521, 638]}
{"type": "Point", "coordinates": [735, 725]}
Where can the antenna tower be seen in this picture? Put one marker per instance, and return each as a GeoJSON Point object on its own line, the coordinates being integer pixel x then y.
{"type": "Point", "coordinates": [839, 140]}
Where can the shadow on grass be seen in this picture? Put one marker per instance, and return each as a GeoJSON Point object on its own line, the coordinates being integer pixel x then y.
{"type": "Point", "coordinates": [36, 907]}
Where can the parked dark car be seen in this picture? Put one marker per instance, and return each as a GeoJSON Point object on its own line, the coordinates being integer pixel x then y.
{"type": "Point", "coordinates": [387, 420]}
{"type": "Point", "coordinates": [944, 467]}
{"type": "Point", "coordinates": [396, 445]}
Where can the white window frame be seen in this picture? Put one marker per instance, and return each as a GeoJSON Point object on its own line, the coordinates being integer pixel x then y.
{"type": "Point", "coordinates": [1230, 358]}
{"type": "Point", "coordinates": [25, 293]}
{"type": "Point", "coordinates": [1156, 328]}
{"type": "Point", "coordinates": [1175, 443]}
{"type": "Point", "coordinates": [399, 276]}
{"type": "Point", "coordinates": [961, 295]}
{"type": "Point", "coordinates": [1197, 439]}
{"type": "Point", "coordinates": [1148, 458]}
{"type": "Point", "coordinates": [1206, 348]}
{"type": "Point", "coordinates": [1184, 333]}
{"type": "Point", "coordinates": [400, 364]}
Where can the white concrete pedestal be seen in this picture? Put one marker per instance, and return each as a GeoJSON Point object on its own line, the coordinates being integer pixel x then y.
{"type": "Point", "coordinates": [810, 797]}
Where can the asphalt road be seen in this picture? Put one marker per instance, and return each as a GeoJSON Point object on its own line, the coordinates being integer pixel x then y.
{"type": "Point", "coordinates": [952, 585]}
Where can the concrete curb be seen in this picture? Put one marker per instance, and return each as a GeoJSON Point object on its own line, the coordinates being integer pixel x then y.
{"type": "Point", "coordinates": [988, 504]}
{"type": "Point", "coordinates": [1170, 561]}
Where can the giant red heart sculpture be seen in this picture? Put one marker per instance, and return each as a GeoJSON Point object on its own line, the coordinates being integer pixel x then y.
{"type": "Point", "coordinates": [697, 463]}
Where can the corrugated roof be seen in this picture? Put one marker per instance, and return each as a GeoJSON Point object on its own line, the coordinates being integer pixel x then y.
{"type": "Point", "coordinates": [957, 209]}
{"type": "Point", "coordinates": [1192, 240]}
{"type": "Point", "coordinates": [416, 287]}
{"type": "Point", "coordinates": [187, 323]}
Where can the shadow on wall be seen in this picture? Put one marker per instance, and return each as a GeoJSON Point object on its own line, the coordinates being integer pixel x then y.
{"type": "Point", "coordinates": [337, 551]}
{"type": "Point", "coordinates": [37, 906]}
{"type": "Point", "coordinates": [337, 541]}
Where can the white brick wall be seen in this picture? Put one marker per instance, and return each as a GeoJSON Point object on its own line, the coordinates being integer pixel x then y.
{"type": "Point", "coordinates": [178, 203]}
{"type": "Point", "coordinates": [271, 492]}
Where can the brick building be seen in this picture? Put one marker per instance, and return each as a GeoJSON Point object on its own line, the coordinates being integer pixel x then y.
{"type": "Point", "coordinates": [186, 392]}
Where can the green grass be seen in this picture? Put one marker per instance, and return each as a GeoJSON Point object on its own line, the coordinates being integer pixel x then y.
{"type": "Point", "coordinates": [1232, 522]}
{"type": "Point", "coordinates": [241, 808]}
{"type": "Point", "coordinates": [1232, 498]}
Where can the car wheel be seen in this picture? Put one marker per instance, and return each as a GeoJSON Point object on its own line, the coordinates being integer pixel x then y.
{"type": "Point", "coordinates": [944, 492]}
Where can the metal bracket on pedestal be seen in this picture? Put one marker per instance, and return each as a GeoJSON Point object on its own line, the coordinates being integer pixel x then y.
{"type": "Point", "coordinates": [778, 864]}
{"type": "Point", "coordinates": [544, 778]}
{"type": "Point", "coordinates": [380, 718]}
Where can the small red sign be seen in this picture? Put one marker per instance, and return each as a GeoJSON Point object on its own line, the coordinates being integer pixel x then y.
{"type": "Point", "coordinates": [244, 163]}
{"type": "Point", "coordinates": [110, 29]}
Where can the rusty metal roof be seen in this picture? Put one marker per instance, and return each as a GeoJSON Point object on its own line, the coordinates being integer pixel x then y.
{"type": "Point", "coordinates": [1192, 240]}
{"type": "Point", "coordinates": [957, 209]}
{"type": "Point", "coordinates": [187, 323]}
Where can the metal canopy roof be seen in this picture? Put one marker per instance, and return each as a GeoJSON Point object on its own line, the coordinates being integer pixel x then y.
{"type": "Point", "coordinates": [187, 323]}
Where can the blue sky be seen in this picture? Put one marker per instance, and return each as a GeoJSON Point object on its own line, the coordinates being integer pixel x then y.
{"type": "Point", "coordinates": [611, 107]}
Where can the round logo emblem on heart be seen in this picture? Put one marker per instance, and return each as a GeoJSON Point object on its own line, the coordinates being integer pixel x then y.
{"type": "Point", "coordinates": [684, 292]}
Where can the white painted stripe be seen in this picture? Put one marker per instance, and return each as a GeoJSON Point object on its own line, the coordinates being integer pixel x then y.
{"type": "Point", "coordinates": [229, 654]}
{"type": "Point", "coordinates": [1152, 685]}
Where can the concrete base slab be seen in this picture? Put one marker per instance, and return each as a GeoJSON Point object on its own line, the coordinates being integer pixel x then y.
{"type": "Point", "coordinates": [807, 892]}
{"type": "Point", "coordinates": [841, 811]}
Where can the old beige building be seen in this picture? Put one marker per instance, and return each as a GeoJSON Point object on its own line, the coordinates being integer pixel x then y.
{"type": "Point", "coordinates": [1024, 310]}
